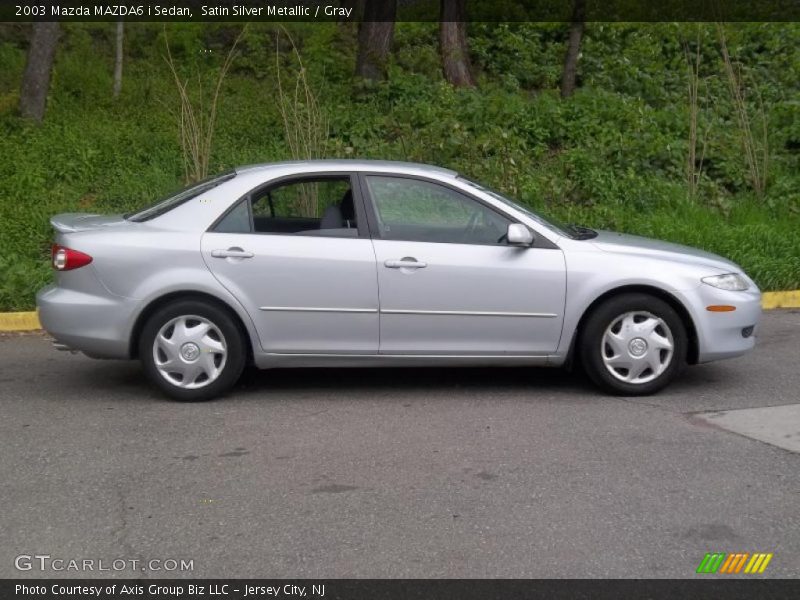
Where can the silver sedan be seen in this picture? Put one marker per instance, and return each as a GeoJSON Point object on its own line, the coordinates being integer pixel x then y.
{"type": "Point", "coordinates": [343, 263]}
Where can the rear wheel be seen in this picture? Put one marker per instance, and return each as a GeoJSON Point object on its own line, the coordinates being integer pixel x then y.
{"type": "Point", "coordinates": [633, 344]}
{"type": "Point", "coordinates": [192, 350]}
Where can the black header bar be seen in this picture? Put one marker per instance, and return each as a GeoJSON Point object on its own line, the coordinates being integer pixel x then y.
{"type": "Point", "coordinates": [408, 10]}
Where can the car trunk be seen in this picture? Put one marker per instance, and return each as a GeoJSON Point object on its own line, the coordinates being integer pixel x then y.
{"type": "Point", "coordinates": [72, 222]}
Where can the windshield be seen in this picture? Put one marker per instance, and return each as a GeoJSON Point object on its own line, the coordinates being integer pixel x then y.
{"type": "Point", "coordinates": [176, 199]}
{"type": "Point", "coordinates": [551, 224]}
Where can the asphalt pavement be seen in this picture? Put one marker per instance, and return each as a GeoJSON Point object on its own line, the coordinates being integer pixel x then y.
{"type": "Point", "coordinates": [410, 473]}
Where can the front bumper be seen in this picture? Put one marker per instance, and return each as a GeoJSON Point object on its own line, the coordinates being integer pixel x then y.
{"type": "Point", "coordinates": [724, 334]}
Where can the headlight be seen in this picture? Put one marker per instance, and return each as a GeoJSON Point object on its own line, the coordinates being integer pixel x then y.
{"type": "Point", "coordinates": [732, 282]}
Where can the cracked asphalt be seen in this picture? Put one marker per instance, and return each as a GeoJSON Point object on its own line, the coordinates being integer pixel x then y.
{"type": "Point", "coordinates": [394, 473]}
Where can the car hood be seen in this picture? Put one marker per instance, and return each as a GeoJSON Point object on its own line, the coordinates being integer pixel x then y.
{"type": "Point", "coordinates": [69, 222]}
{"type": "Point", "coordinates": [610, 241]}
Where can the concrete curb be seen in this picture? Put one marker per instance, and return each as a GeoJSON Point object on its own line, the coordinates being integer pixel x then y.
{"type": "Point", "coordinates": [29, 321]}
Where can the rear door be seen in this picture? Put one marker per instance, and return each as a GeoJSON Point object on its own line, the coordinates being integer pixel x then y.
{"type": "Point", "coordinates": [297, 255]}
{"type": "Point", "coordinates": [449, 283]}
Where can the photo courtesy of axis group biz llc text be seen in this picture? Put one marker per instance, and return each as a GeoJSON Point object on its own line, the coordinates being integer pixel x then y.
{"type": "Point", "coordinates": [431, 299]}
{"type": "Point", "coordinates": [175, 589]}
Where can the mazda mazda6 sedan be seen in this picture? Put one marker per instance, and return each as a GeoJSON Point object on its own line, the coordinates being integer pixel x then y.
{"type": "Point", "coordinates": [350, 263]}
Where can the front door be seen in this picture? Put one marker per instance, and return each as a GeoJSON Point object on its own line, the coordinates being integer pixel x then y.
{"type": "Point", "coordinates": [298, 257]}
{"type": "Point", "coordinates": [448, 281]}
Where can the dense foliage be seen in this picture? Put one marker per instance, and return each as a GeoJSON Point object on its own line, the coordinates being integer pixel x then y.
{"type": "Point", "coordinates": [612, 156]}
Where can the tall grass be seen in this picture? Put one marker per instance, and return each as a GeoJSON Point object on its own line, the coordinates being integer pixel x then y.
{"type": "Point", "coordinates": [755, 144]}
{"type": "Point", "coordinates": [198, 117]}
{"type": "Point", "coordinates": [305, 125]}
{"type": "Point", "coordinates": [694, 160]}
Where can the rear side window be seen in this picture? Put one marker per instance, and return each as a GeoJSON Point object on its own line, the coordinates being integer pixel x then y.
{"type": "Point", "coordinates": [322, 206]}
{"type": "Point", "coordinates": [174, 200]}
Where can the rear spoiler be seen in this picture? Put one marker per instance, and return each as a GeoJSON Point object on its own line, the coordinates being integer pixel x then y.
{"type": "Point", "coordinates": [70, 222]}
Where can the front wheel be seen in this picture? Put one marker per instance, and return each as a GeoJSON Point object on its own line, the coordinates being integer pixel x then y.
{"type": "Point", "coordinates": [633, 345]}
{"type": "Point", "coordinates": [192, 350]}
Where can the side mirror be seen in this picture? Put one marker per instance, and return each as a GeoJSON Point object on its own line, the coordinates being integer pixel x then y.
{"type": "Point", "coordinates": [519, 235]}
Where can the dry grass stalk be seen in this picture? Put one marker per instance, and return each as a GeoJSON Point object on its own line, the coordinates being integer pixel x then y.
{"type": "Point", "coordinates": [305, 125]}
{"type": "Point", "coordinates": [694, 163]}
{"type": "Point", "coordinates": [756, 151]}
{"type": "Point", "coordinates": [197, 119]}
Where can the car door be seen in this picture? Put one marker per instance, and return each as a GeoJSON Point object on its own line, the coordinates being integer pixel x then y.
{"type": "Point", "coordinates": [448, 281]}
{"type": "Point", "coordinates": [297, 255]}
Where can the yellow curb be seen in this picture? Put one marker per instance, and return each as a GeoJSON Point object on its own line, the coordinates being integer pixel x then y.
{"type": "Point", "coordinates": [19, 321]}
{"type": "Point", "coordinates": [29, 321]}
{"type": "Point", "coordinates": [789, 299]}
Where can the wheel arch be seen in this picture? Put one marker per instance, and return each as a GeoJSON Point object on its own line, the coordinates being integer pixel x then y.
{"type": "Point", "coordinates": [677, 305]}
{"type": "Point", "coordinates": [170, 297]}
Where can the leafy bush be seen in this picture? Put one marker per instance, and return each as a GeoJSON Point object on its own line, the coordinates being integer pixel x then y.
{"type": "Point", "coordinates": [612, 156]}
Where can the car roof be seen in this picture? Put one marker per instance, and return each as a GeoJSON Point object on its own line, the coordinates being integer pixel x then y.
{"type": "Point", "coordinates": [388, 166]}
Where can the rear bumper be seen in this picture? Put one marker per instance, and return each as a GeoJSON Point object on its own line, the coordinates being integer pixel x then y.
{"type": "Point", "coordinates": [725, 334]}
{"type": "Point", "coordinates": [95, 325]}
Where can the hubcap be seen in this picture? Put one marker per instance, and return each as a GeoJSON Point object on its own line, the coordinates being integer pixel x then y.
{"type": "Point", "coordinates": [190, 352]}
{"type": "Point", "coordinates": [637, 347]}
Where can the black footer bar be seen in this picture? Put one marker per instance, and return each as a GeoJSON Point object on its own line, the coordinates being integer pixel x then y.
{"type": "Point", "coordinates": [399, 589]}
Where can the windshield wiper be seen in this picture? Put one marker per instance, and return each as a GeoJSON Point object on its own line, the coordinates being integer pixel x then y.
{"type": "Point", "coordinates": [582, 233]}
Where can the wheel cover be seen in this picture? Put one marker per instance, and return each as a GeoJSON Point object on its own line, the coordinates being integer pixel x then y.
{"type": "Point", "coordinates": [637, 347]}
{"type": "Point", "coordinates": [190, 352]}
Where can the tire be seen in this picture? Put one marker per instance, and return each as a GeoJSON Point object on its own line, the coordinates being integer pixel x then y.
{"type": "Point", "coordinates": [200, 351]}
{"type": "Point", "coordinates": [633, 345]}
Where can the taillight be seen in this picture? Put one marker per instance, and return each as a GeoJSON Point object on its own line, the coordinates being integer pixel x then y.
{"type": "Point", "coordinates": [66, 259]}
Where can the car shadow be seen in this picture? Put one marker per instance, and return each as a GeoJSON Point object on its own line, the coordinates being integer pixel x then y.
{"type": "Point", "coordinates": [109, 378]}
{"type": "Point", "coordinates": [412, 379]}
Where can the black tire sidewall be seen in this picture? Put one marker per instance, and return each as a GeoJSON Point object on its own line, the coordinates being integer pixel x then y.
{"type": "Point", "coordinates": [234, 340]}
{"type": "Point", "coordinates": [595, 327]}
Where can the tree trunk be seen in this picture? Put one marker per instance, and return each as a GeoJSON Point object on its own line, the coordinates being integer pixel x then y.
{"type": "Point", "coordinates": [118, 58]}
{"type": "Point", "coordinates": [375, 39]}
{"type": "Point", "coordinates": [453, 43]}
{"type": "Point", "coordinates": [570, 75]}
{"type": "Point", "coordinates": [38, 70]}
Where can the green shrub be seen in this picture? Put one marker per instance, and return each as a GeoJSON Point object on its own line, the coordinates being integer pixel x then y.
{"type": "Point", "coordinates": [612, 156]}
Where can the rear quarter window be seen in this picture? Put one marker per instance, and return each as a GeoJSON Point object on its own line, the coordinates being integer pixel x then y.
{"type": "Point", "coordinates": [174, 200]}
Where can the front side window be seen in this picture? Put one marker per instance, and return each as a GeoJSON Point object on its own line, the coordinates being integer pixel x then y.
{"type": "Point", "coordinates": [309, 206]}
{"type": "Point", "coordinates": [423, 211]}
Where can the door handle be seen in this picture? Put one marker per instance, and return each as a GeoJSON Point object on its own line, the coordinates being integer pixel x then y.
{"type": "Point", "coordinates": [405, 263]}
{"type": "Point", "coordinates": [232, 253]}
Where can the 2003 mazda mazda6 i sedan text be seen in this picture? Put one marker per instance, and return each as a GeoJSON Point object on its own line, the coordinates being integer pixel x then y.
{"type": "Point", "coordinates": [358, 263]}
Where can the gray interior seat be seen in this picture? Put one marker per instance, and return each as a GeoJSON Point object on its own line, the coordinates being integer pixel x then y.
{"type": "Point", "coordinates": [332, 218]}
